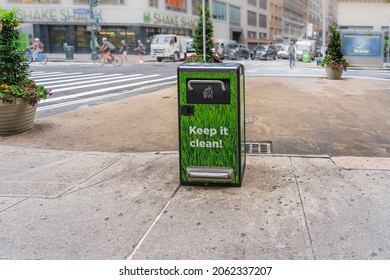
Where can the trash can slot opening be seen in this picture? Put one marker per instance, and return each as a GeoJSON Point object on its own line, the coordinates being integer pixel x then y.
{"type": "Point", "coordinates": [207, 173]}
{"type": "Point", "coordinates": [205, 82]}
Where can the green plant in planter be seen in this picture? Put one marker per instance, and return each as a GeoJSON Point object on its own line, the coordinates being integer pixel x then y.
{"type": "Point", "coordinates": [334, 56]}
{"type": "Point", "coordinates": [14, 70]}
{"type": "Point", "coordinates": [198, 39]}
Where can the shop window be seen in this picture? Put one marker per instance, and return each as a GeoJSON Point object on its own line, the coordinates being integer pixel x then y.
{"type": "Point", "coordinates": [153, 3]}
{"type": "Point", "coordinates": [252, 2]}
{"type": "Point", "coordinates": [196, 4]}
{"type": "Point", "coordinates": [33, 1]}
{"type": "Point", "coordinates": [235, 15]}
{"type": "Point", "coordinates": [101, 2]}
{"type": "Point", "coordinates": [263, 4]}
{"type": "Point", "coordinates": [176, 5]}
{"type": "Point", "coordinates": [219, 11]}
{"type": "Point", "coordinates": [252, 20]}
{"type": "Point", "coordinates": [262, 20]}
{"type": "Point", "coordinates": [251, 35]}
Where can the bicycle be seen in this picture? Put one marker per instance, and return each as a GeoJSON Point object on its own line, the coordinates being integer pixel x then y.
{"type": "Point", "coordinates": [41, 57]}
{"type": "Point", "coordinates": [104, 58]}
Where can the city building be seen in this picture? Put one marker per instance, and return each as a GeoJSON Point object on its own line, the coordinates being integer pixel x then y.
{"type": "Point", "coordinates": [69, 22]}
{"type": "Point", "coordinates": [294, 15]}
{"type": "Point", "coordinates": [59, 22]}
{"type": "Point", "coordinates": [365, 26]}
{"type": "Point", "coordinates": [364, 14]}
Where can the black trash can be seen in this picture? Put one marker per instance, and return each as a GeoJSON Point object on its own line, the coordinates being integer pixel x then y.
{"type": "Point", "coordinates": [211, 124]}
{"type": "Point", "coordinates": [69, 52]}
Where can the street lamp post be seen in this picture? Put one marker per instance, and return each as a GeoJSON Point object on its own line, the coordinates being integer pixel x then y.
{"type": "Point", "coordinates": [388, 45]}
{"type": "Point", "coordinates": [93, 27]}
{"type": "Point", "coordinates": [323, 26]}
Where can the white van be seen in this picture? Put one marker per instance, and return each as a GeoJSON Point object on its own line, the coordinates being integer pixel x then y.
{"type": "Point", "coordinates": [305, 45]}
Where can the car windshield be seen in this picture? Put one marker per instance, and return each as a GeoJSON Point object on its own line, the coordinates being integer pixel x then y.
{"type": "Point", "coordinates": [260, 48]}
{"type": "Point", "coordinates": [162, 39]}
{"type": "Point", "coordinates": [232, 46]}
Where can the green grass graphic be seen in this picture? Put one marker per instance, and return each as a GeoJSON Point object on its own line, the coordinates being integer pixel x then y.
{"type": "Point", "coordinates": [210, 116]}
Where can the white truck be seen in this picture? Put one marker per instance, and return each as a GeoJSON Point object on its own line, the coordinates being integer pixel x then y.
{"type": "Point", "coordinates": [169, 46]}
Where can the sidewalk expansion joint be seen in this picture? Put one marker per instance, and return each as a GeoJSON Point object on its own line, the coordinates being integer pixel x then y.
{"type": "Point", "coordinates": [139, 243]}
{"type": "Point", "coordinates": [304, 214]}
{"type": "Point", "coordinates": [13, 205]}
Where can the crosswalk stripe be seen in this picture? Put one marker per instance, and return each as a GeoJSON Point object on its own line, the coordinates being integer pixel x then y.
{"type": "Point", "coordinates": [101, 90]}
{"type": "Point", "coordinates": [79, 101]}
{"type": "Point", "coordinates": [48, 74]}
{"type": "Point", "coordinates": [55, 80]}
{"type": "Point", "coordinates": [90, 81]}
{"type": "Point", "coordinates": [104, 83]}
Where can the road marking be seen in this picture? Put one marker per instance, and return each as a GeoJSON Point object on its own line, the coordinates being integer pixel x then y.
{"type": "Point", "coordinates": [48, 74]}
{"type": "Point", "coordinates": [95, 98]}
{"type": "Point", "coordinates": [69, 77]}
{"type": "Point", "coordinates": [101, 90]}
{"type": "Point", "coordinates": [91, 82]}
{"type": "Point", "coordinates": [104, 83]}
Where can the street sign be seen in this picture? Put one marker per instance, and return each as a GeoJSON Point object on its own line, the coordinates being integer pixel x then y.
{"type": "Point", "coordinates": [81, 11]}
{"type": "Point", "coordinates": [387, 41]}
{"type": "Point", "coordinates": [97, 16]}
{"type": "Point", "coordinates": [91, 20]}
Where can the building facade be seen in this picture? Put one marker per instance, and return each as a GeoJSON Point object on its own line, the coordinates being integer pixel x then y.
{"type": "Point", "coordinates": [60, 22]}
{"type": "Point", "coordinates": [364, 14]}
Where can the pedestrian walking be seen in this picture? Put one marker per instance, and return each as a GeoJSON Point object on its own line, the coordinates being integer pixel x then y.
{"type": "Point", "coordinates": [291, 55]}
{"type": "Point", "coordinates": [141, 51]}
{"type": "Point", "coordinates": [124, 49]}
{"type": "Point", "coordinates": [97, 47]}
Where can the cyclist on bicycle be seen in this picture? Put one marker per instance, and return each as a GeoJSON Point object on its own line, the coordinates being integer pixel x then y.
{"type": "Point", "coordinates": [107, 46]}
{"type": "Point", "coordinates": [37, 47]}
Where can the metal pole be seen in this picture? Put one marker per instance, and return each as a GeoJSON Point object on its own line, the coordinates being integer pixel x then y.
{"type": "Point", "coordinates": [323, 26]}
{"type": "Point", "coordinates": [388, 46]}
{"type": "Point", "coordinates": [204, 31]}
{"type": "Point", "coordinates": [93, 35]}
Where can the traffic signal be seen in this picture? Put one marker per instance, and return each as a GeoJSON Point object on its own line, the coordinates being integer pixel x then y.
{"type": "Point", "coordinates": [94, 3]}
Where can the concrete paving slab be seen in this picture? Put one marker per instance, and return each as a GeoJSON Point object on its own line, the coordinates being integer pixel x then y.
{"type": "Point", "coordinates": [103, 220]}
{"type": "Point", "coordinates": [261, 220]}
{"type": "Point", "coordinates": [347, 211]}
{"type": "Point", "coordinates": [125, 164]}
{"type": "Point", "coordinates": [7, 202]}
{"type": "Point", "coordinates": [377, 163]}
{"type": "Point", "coordinates": [46, 174]}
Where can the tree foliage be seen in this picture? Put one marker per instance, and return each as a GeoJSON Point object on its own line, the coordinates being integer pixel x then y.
{"type": "Point", "coordinates": [198, 36]}
{"type": "Point", "coordinates": [13, 68]}
{"type": "Point", "coordinates": [334, 56]}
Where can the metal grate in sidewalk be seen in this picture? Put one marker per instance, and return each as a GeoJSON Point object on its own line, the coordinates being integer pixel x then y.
{"type": "Point", "coordinates": [260, 147]}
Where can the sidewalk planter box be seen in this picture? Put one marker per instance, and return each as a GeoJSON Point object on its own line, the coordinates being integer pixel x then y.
{"type": "Point", "coordinates": [333, 74]}
{"type": "Point", "coordinates": [16, 117]}
{"type": "Point", "coordinates": [211, 99]}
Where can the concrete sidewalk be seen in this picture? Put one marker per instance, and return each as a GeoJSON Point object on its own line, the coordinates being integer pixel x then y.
{"type": "Point", "coordinates": [104, 188]}
{"type": "Point", "coordinates": [93, 205]}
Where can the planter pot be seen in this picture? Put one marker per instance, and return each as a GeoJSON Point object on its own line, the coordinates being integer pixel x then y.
{"type": "Point", "coordinates": [16, 118]}
{"type": "Point", "coordinates": [333, 74]}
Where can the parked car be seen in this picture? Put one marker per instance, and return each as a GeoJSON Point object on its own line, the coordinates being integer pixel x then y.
{"type": "Point", "coordinates": [235, 51]}
{"type": "Point", "coordinates": [283, 52]}
{"type": "Point", "coordinates": [264, 52]}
